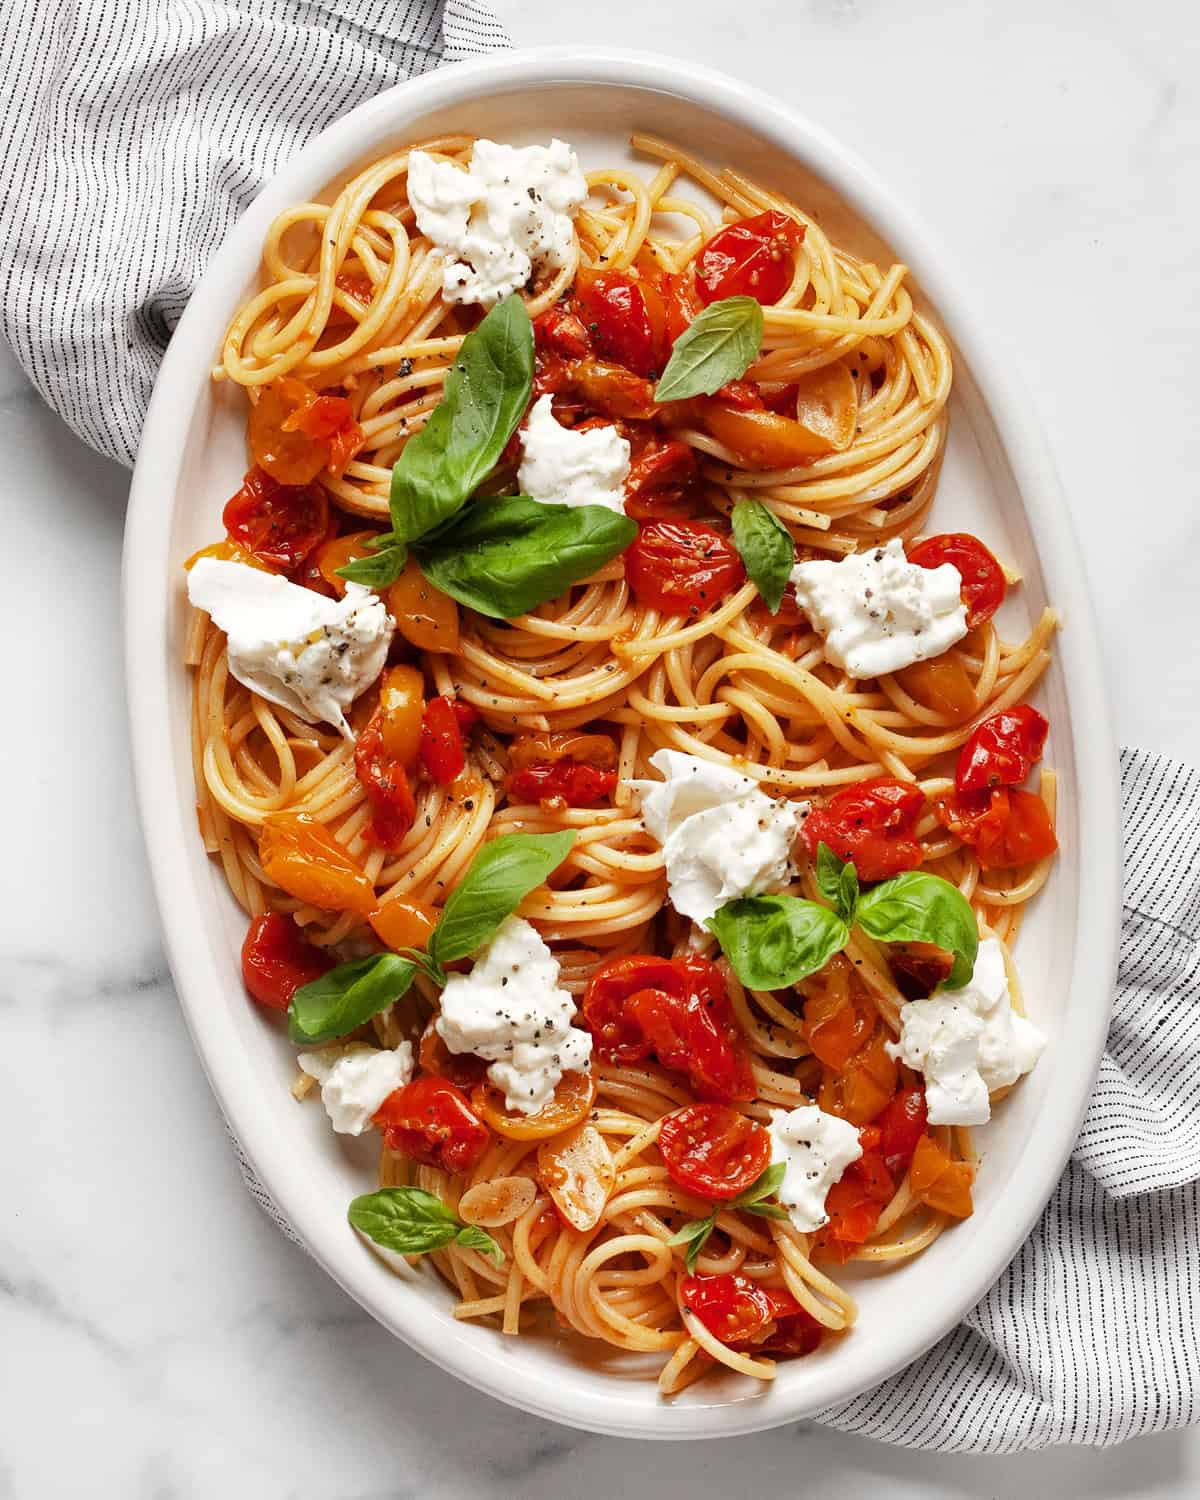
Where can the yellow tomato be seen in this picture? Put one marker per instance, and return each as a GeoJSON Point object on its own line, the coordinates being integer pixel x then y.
{"type": "Point", "coordinates": [303, 858]}
{"type": "Point", "coordinates": [341, 550]}
{"type": "Point", "coordinates": [401, 707]}
{"type": "Point", "coordinates": [424, 615]}
{"type": "Point", "coordinates": [572, 1099]}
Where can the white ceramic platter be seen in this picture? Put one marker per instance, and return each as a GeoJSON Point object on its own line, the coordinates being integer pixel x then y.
{"type": "Point", "coordinates": [997, 480]}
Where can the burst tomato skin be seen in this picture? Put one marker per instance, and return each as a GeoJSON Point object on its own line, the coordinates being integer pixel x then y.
{"type": "Point", "coordinates": [713, 1151]}
{"type": "Point", "coordinates": [303, 858]}
{"type": "Point", "coordinates": [442, 750]}
{"type": "Point", "coordinates": [660, 472]}
{"type": "Point", "coordinates": [681, 300]}
{"type": "Point", "coordinates": [625, 318]}
{"type": "Point", "coordinates": [277, 960]}
{"type": "Point", "coordinates": [676, 1009]}
{"type": "Point", "coordinates": [1006, 826]}
{"type": "Point", "coordinates": [855, 1202]}
{"type": "Point", "coordinates": [749, 258]}
{"type": "Point", "coordinates": [734, 1309]}
{"type": "Point", "coordinates": [1003, 750]}
{"type": "Point", "coordinates": [983, 585]}
{"type": "Point", "coordinates": [576, 784]}
{"type": "Point", "coordinates": [384, 779]}
{"type": "Point", "coordinates": [561, 332]}
{"type": "Point", "coordinates": [871, 823]}
{"type": "Point", "coordinates": [901, 1126]}
{"type": "Point", "coordinates": [682, 567]}
{"type": "Point", "coordinates": [295, 433]}
{"type": "Point", "coordinates": [279, 524]}
{"type": "Point", "coordinates": [429, 1120]}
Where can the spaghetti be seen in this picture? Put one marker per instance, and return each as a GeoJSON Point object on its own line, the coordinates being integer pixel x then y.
{"type": "Point", "coordinates": [353, 306]}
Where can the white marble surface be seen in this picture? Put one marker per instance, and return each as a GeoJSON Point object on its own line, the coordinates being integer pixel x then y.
{"type": "Point", "coordinates": [157, 1337]}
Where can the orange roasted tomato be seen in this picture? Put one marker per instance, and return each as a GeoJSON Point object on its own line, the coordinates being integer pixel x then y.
{"type": "Point", "coordinates": [682, 567]}
{"type": "Point", "coordinates": [404, 922]}
{"type": "Point", "coordinates": [871, 823]}
{"type": "Point", "coordinates": [277, 959]}
{"type": "Point", "coordinates": [750, 258]}
{"type": "Point", "coordinates": [713, 1151]}
{"type": "Point", "coordinates": [939, 1182]}
{"type": "Point", "coordinates": [384, 779]}
{"type": "Point", "coordinates": [340, 550]}
{"type": "Point", "coordinates": [1006, 826]}
{"type": "Point", "coordinates": [856, 1200]}
{"type": "Point", "coordinates": [296, 433]}
{"type": "Point", "coordinates": [278, 524]}
{"type": "Point", "coordinates": [676, 1009]}
{"type": "Point", "coordinates": [304, 859]}
{"type": "Point", "coordinates": [429, 1120]}
{"type": "Point", "coordinates": [838, 1015]}
{"type": "Point", "coordinates": [424, 616]}
{"type": "Point", "coordinates": [573, 1098]}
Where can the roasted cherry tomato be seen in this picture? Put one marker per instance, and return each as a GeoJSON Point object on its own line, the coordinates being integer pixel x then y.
{"type": "Point", "coordinates": [561, 332]}
{"type": "Point", "coordinates": [462, 1068]}
{"type": "Point", "coordinates": [854, 1204]}
{"type": "Point", "coordinates": [983, 586]}
{"type": "Point", "coordinates": [871, 823]}
{"type": "Point", "coordinates": [566, 780]}
{"type": "Point", "coordinates": [278, 523]}
{"type": "Point", "coordinates": [750, 258]}
{"type": "Point", "coordinates": [1003, 750]}
{"type": "Point", "coordinates": [918, 968]}
{"type": "Point", "coordinates": [303, 858]}
{"type": "Point", "coordinates": [404, 922]}
{"type": "Point", "coordinates": [608, 389]}
{"type": "Point", "coordinates": [430, 1121]}
{"type": "Point", "coordinates": [838, 1015]}
{"type": "Point", "coordinates": [939, 1182]}
{"type": "Point", "coordinates": [676, 1008]}
{"type": "Point", "coordinates": [573, 1098]}
{"type": "Point", "coordinates": [401, 709]}
{"type": "Point", "coordinates": [660, 471]}
{"type": "Point", "coordinates": [681, 301]}
{"type": "Point", "coordinates": [625, 318]}
{"type": "Point", "coordinates": [861, 1090]}
{"type": "Point", "coordinates": [1006, 826]}
{"type": "Point", "coordinates": [732, 1307]}
{"type": "Point", "coordinates": [359, 290]}
{"type": "Point", "coordinates": [760, 439]}
{"type": "Point", "coordinates": [442, 752]}
{"type": "Point", "coordinates": [277, 959]}
{"type": "Point", "coordinates": [337, 552]}
{"type": "Point", "coordinates": [295, 433]}
{"type": "Point", "coordinates": [901, 1126]}
{"type": "Point", "coordinates": [941, 684]}
{"type": "Point", "coordinates": [682, 567]}
{"type": "Point", "coordinates": [424, 616]}
{"type": "Point", "coordinates": [384, 779]}
{"type": "Point", "coordinates": [713, 1151]}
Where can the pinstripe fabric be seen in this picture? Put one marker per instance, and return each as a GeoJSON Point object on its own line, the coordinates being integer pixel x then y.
{"type": "Point", "coordinates": [134, 132]}
{"type": "Point", "coordinates": [1092, 1335]}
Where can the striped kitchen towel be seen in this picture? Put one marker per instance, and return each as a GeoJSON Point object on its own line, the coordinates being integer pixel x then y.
{"type": "Point", "coordinates": [133, 133]}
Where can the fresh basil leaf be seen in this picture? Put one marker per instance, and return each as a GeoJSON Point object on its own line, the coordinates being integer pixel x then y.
{"type": "Point", "coordinates": [378, 570]}
{"type": "Point", "coordinates": [405, 1219]}
{"type": "Point", "coordinates": [340, 1001]}
{"type": "Point", "coordinates": [766, 547]}
{"type": "Point", "coordinates": [505, 557]}
{"type": "Point", "coordinates": [762, 1186]}
{"type": "Point", "coordinates": [765, 1210]}
{"type": "Point", "coordinates": [694, 1234]}
{"type": "Point", "coordinates": [500, 876]}
{"type": "Point", "coordinates": [920, 908]}
{"type": "Point", "coordinates": [471, 1237]}
{"type": "Point", "coordinates": [720, 345]}
{"type": "Point", "coordinates": [774, 941]}
{"type": "Point", "coordinates": [486, 393]}
{"type": "Point", "coordinates": [837, 880]}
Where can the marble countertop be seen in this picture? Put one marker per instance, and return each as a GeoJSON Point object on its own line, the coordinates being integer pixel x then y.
{"type": "Point", "coordinates": [159, 1338]}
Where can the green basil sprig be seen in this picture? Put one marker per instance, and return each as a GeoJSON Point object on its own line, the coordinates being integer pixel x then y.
{"type": "Point", "coordinates": [766, 547]}
{"type": "Point", "coordinates": [380, 568]}
{"type": "Point", "coordinates": [505, 557]}
{"type": "Point", "coordinates": [720, 345]}
{"type": "Point", "coordinates": [775, 941]}
{"type": "Point", "coordinates": [411, 1221]}
{"type": "Point", "coordinates": [340, 1001]}
{"type": "Point", "coordinates": [498, 879]}
{"type": "Point", "coordinates": [694, 1234]}
{"type": "Point", "coordinates": [772, 942]}
{"type": "Point", "coordinates": [920, 908]}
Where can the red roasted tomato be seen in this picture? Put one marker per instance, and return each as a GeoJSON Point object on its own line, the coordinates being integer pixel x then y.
{"type": "Point", "coordinates": [578, 785]}
{"type": "Point", "coordinates": [737, 1310]}
{"type": "Point", "coordinates": [279, 523]}
{"type": "Point", "coordinates": [660, 471]}
{"type": "Point", "coordinates": [429, 1120]}
{"type": "Point", "coordinates": [625, 318]}
{"type": "Point", "coordinates": [1006, 826]}
{"type": "Point", "coordinates": [983, 586]}
{"type": "Point", "coordinates": [442, 752]}
{"type": "Point", "coordinates": [682, 567]}
{"type": "Point", "coordinates": [384, 779]}
{"type": "Point", "coordinates": [871, 823]}
{"type": "Point", "coordinates": [856, 1200]}
{"type": "Point", "coordinates": [750, 258]}
{"type": "Point", "coordinates": [675, 1008]}
{"type": "Point", "coordinates": [277, 959]}
{"type": "Point", "coordinates": [713, 1151]}
{"type": "Point", "coordinates": [1003, 750]}
{"type": "Point", "coordinates": [901, 1126]}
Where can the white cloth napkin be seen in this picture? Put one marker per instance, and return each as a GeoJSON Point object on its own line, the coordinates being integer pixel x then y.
{"type": "Point", "coordinates": [137, 131]}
